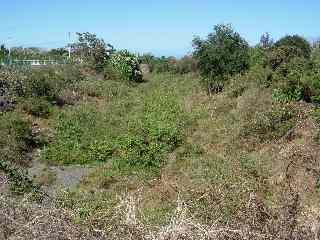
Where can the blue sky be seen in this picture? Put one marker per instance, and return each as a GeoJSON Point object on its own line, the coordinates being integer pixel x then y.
{"type": "Point", "coordinates": [163, 27]}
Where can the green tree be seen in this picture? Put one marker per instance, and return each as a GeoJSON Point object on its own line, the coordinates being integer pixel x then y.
{"type": "Point", "coordinates": [91, 50]}
{"type": "Point", "coordinates": [222, 54]}
{"type": "Point", "coordinates": [297, 42]}
{"type": "Point", "coordinates": [3, 52]}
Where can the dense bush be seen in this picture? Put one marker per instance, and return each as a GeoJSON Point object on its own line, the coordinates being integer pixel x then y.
{"type": "Point", "coordinates": [43, 83]}
{"type": "Point", "coordinates": [298, 79]}
{"type": "Point", "coordinates": [156, 132]}
{"type": "Point", "coordinates": [37, 107]}
{"type": "Point", "coordinates": [297, 42]}
{"type": "Point", "coordinates": [257, 76]}
{"type": "Point", "coordinates": [127, 65]}
{"type": "Point", "coordinates": [282, 55]}
{"type": "Point", "coordinates": [222, 54]}
{"type": "Point", "coordinates": [74, 132]}
{"type": "Point", "coordinates": [12, 83]}
{"type": "Point", "coordinates": [295, 70]}
{"type": "Point", "coordinates": [18, 140]}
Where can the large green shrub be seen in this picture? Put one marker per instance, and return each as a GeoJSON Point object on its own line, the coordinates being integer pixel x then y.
{"type": "Point", "coordinates": [281, 55]}
{"type": "Point", "coordinates": [297, 42]}
{"type": "Point", "coordinates": [127, 65]}
{"type": "Point", "coordinates": [51, 83]}
{"type": "Point", "coordinates": [222, 54]}
{"type": "Point", "coordinates": [298, 79]}
{"type": "Point", "coordinates": [17, 139]}
{"type": "Point", "coordinates": [44, 83]}
{"type": "Point", "coordinates": [295, 74]}
{"type": "Point", "coordinates": [37, 107]}
{"type": "Point", "coordinates": [12, 83]}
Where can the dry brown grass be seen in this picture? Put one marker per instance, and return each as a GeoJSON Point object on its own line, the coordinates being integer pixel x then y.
{"type": "Point", "coordinates": [23, 220]}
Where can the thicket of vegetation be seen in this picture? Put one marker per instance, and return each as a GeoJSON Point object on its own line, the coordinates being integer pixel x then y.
{"type": "Point", "coordinates": [222, 144]}
{"type": "Point", "coordinates": [223, 54]}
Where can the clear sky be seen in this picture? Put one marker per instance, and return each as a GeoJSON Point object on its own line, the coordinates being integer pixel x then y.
{"type": "Point", "coordinates": [163, 27]}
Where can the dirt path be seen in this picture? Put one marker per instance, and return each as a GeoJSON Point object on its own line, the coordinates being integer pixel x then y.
{"type": "Point", "coordinates": [55, 178]}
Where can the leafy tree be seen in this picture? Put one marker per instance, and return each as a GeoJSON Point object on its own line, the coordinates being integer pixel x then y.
{"type": "Point", "coordinates": [297, 42]}
{"type": "Point", "coordinates": [91, 50]}
{"type": "Point", "coordinates": [222, 54]}
{"type": "Point", "coordinates": [3, 52]}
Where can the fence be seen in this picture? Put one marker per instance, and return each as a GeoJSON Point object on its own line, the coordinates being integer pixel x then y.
{"type": "Point", "coordinates": [31, 62]}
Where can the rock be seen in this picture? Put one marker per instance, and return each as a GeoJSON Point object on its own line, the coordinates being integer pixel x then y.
{"type": "Point", "coordinates": [6, 105]}
{"type": "Point", "coordinates": [145, 68]}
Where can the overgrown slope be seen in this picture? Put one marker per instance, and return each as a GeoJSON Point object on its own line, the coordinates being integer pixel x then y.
{"type": "Point", "coordinates": [170, 162]}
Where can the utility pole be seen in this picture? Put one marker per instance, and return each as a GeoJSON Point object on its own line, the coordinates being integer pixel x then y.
{"type": "Point", "coordinates": [9, 48]}
{"type": "Point", "coordinates": [69, 49]}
